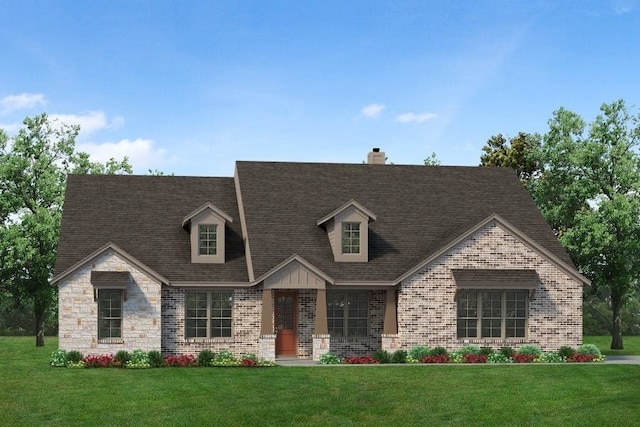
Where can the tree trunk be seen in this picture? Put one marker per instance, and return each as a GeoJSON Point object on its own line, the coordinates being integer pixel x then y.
{"type": "Point", "coordinates": [616, 329]}
{"type": "Point", "coordinates": [40, 309]}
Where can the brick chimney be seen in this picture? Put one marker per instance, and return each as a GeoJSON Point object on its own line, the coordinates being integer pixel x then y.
{"type": "Point", "coordinates": [376, 157]}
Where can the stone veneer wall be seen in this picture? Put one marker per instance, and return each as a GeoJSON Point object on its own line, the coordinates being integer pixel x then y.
{"type": "Point", "coordinates": [78, 312]}
{"type": "Point", "coordinates": [247, 309]}
{"type": "Point", "coordinates": [345, 347]}
{"type": "Point", "coordinates": [427, 310]}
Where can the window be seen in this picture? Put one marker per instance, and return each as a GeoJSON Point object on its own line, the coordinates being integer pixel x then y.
{"type": "Point", "coordinates": [110, 313]}
{"type": "Point", "coordinates": [208, 314]}
{"type": "Point", "coordinates": [208, 239]}
{"type": "Point", "coordinates": [348, 314]}
{"type": "Point", "coordinates": [492, 314]}
{"type": "Point", "coordinates": [350, 237]}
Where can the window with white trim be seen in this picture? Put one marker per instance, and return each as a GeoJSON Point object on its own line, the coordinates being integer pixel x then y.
{"type": "Point", "coordinates": [207, 239]}
{"type": "Point", "coordinates": [208, 314]}
{"type": "Point", "coordinates": [110, 313]}
{"type": "Point", "coordinates": [350, 237]}
{"type": "Point", "coordinates": [492, 313]}
{"type": "Point", "coordinates": [348, 314]}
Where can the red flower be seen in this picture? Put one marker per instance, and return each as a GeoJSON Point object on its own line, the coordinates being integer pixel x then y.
{"type": "Point", "coordinates": [475, 358]}
{"type": "Point", "coordinates": [441, 358]}
{"type": "Point", "coordinates": [523, 358]}
{"type": "Point", "coordinates": [581, 358]}
{"type": "Point", "coordinates": [359, 360]}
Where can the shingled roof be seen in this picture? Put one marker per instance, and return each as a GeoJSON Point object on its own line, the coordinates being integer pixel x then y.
{"type": "Point", "coordinates": [418, 210]}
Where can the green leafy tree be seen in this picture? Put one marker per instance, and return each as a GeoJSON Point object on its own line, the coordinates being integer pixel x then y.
{"type": "Point", "coordinates": [517, 153]}
{"type": "Point", "coordinates": [34, 165]}
{"type": "Point", "coordinates": [589, 192]}
{"type": "Point", "coordinates": [432, 160]}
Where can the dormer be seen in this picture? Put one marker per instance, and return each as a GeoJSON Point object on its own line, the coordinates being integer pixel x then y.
{"type": "Point", "coordinates": [348, 231]}
{"type": "Point", "coordinates": [206, 226]}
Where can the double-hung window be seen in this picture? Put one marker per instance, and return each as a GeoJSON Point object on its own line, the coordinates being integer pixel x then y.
{"type": "Point", "coordinates": [208, 314]}
{"type": "Point", "coordinates": [110, 313]}
{"type": "Point", "coordinates": [492, 313]}
{"type": "Point", "coordinates": [348, 314]}
{"type": "Point", "coordinates": [207, 239]}
{"type": "Point", "coordinates": [350, 237]}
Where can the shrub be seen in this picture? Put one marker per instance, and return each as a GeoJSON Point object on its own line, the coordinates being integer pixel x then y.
{"type": "Point", "coordinates": [330, 359]}
{"type": "Point", "coordinates": [507, 352]}
{"type": "Point", "coordinates": [181, 361]}
{"type": "Point", "coordinates": [99, 361]}
{"type": "Point", "coordinates": [418, 352]}
{"type": "Point", "coordinates": [139, 359]}
{"type": "Point", "coordinates": [359, 360]}
{"type": "Point", "coordinates": [399, 356]}
{"type": "Point", "coordinates": [440, 358]}
{"type": "Point", "coordinates": [58, 358]}
{"type": "Point", "coordinates": [205, 357]}
{"type": "Point", "coordinates": [225, 358]}
{"type": "Point", "coordinates": [382, 356]}
{"type": "Point", "coordinates": [581, 358]}
{"type": "Point", "coordinates": [474, 358]}
{"type": "Point", "coordinates": [551, 357]}
{"type": "Point", "coordinates": [487, 351]}
{"type": "Point", "coordinates": [590, 349]}
{"type": "Point", "coordinates": [498, 357]}
{"type": "Point", "coordinates": [122, 357]}
{"type": "Point", "coordinates": [566, 351]}
{"type": "Point", "coordinates": [439, 351]}
{"type": "Point", "coordinates": [523, 358]}
{"type": "Point", "coordinates": [155, 359]}
{"type": "Point", "coordinates": [530, 350]}
{"type": "Point", "coordinates": [469, 349]}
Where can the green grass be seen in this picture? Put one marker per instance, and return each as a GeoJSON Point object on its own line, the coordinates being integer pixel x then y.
{"type": "Point", "coordinates": [32, 393]}
{"type": "Point", "coordinates": [631, 345]}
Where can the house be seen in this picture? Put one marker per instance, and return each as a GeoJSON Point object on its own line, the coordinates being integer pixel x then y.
{"type": "Point", "coordinates": [299, 259]}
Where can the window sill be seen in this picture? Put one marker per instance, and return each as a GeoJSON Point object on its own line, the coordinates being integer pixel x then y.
{"type": "Point", "coordinates": [351, 339]}
{"type": "Point", "coordinates": [110, 341]}
{"type": "Point", "coordinates": [492, 340]}
{"type": "Point", "coordinates": [208, 340]}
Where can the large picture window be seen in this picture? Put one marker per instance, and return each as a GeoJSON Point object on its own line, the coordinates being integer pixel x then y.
{"type": "Point", "coordinates": [208, 314]}
{"type": "Point", "coordinates": [348, 314]}
{"type": "Point", "coordinates": [110, 313]}
{"type": "Point", "coordinates": [492, 313]}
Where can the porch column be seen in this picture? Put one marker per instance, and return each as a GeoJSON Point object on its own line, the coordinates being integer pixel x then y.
{"type": "Point", "coordinates": [267, 313]}
{"type": "Point", "coordinates": [321, 339]}
{"type": "Point", "coordinates": [267, 341]}
{"type": "Point", "coordinates": [390, 337]}
{"type": "Point", "coordinates": [321, 312]}
{"type": "Point", "coordinates": [390, 322]}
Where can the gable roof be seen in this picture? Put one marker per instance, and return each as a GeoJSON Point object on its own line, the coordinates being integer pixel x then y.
{"type": "Point", "coordinates": [419, 209]}
{"type": "Point", "coordinates": [143, 215]}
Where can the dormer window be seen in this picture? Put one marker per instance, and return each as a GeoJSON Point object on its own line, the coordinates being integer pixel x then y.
{"type": "Point", "coordinates": [206, 226]}
{"type": "Point", "coordinates": [348, 231]}
{"type": "Point", "coordinates": [350, 237]}
{"type": "Point", "coordinates": [208, 238]}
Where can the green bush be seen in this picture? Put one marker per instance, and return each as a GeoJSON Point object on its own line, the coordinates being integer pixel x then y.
{"type": "Point", "coordinates": [382, 356]}
{"type": "Point", "coordinates": [590, 349]}
{"type": "Point", "coordinates": [498, 357]}
{"type": "Point", "coordinates": [399, 356]}
{"type": "Point", "coordinates": [58, 358]}
{"type": "Point", "coordinates": [469, 349]}
{"type": "Point", "coordinates": [419, 352]}
{"type": "Point", "coordinates": [155, 359]}
{"type": "Point", "coordinates": [74, 356]}
{"type": "Point", "coordinates": [552, 357]}
{"type": "Point", "coordinates": [139, 359]}
{"type": "Point", "coordinates": [439, 351]}
{"type": "Point", "coordinates": [566, 351]}
{"type": "Point", "coordinates": [205, 357]}
{"type": "Point", "coordinates": [530, 350]}
{"type": "Point", "coordinates": [507, 352]}
{"type": "Point", "coordinates": [330, 359]}
{"type": "Point", "coordinates": [487, 351]}
{"type": "Point", "coordinates": [225, 358]}
{"type": "Point", "coordinates": [123, 357]}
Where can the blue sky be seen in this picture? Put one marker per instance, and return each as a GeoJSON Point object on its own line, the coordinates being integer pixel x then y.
{"type": "Point", "coordinates": [189, 87]}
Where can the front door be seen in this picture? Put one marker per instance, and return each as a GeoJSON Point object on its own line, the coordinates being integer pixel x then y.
{"type": "Point", "coordinates": [286, 319]}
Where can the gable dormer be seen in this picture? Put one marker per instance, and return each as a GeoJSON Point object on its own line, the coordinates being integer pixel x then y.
{"type": "Point", "coordinates": [348, 231]}
{"type": "Point", "coordinates": [206, 226]}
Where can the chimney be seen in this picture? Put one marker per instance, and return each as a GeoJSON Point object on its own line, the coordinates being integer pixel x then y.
{"type": "Point", "coordinates": [376, 157]}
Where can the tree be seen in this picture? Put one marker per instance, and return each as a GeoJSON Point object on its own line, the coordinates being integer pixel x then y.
{"type": "Point", "coordinates": [517, 153]}
{"type": "Point", "coordinates": [34, 165]}
{"type": "Point", "coordinates": [432, 160]}
{"type": "Point", "coordinates": [588, 190]}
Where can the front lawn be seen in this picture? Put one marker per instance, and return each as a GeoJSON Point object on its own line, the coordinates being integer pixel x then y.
{"type": "Point", "coordinates": [631, 345]}
{"type": "Point", "coordinates": [33, 393]}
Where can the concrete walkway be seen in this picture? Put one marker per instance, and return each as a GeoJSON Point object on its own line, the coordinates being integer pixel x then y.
{"type": "Point", "coordinates": [620, 360]}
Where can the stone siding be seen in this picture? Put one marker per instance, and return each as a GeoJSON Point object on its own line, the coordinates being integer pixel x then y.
{"type": "Point", "coordinates": [427, 310]}
{"type": "Point", "coordinates": [78, 311]}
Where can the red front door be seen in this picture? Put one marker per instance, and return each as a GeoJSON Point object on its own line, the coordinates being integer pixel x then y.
{"type": "Point", "coordinates": [286, 310]}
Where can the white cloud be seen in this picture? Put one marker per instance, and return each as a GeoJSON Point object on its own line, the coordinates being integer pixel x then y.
{"type": "Point", "coordinates": [415, 117]}
{"type": "Point", "coordinates": [141, 153]}
{"type": "Point", "coordinates": [23, 101]}
{"type": "Point", "coordinates": [372, 111]}
{"type": "Point", "coordinates": [89, 122]}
